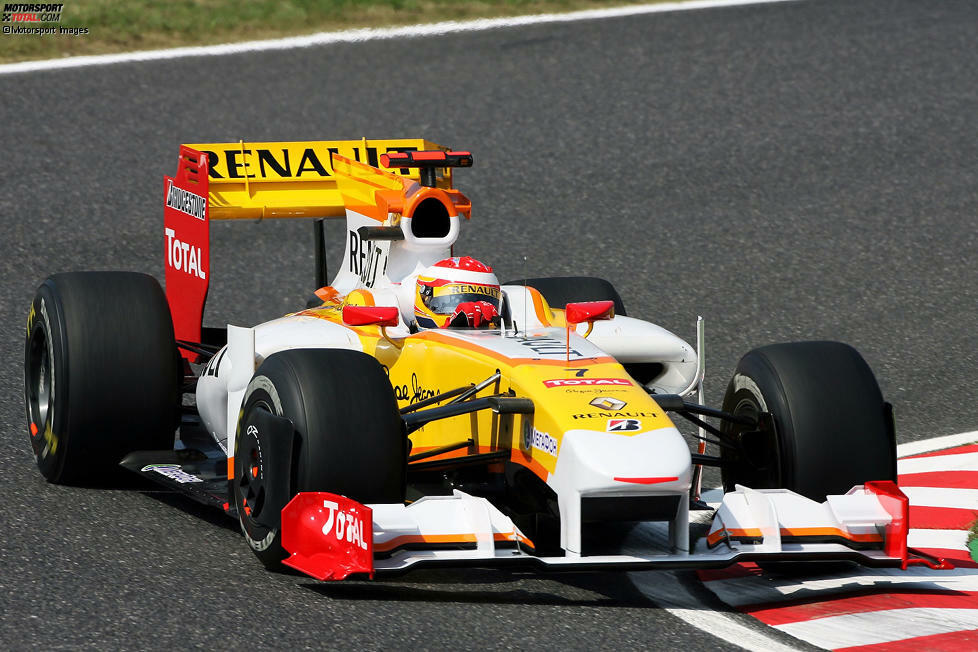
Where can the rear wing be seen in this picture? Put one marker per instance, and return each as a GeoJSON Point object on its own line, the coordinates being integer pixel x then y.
{"type": "Point", "coordinates": [230, 181]}
{"type": "Point", "coordinates": [275, 180]}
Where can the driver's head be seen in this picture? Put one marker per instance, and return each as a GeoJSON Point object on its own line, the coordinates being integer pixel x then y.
{"type": "Point", "coordinates": [457, 292]}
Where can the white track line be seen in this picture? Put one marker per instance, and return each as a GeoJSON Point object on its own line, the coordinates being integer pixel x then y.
{"type": "Point", "coordinates": [957, 462]}
{"type": "Point", "coordinates": [936, 443]}
{"type": "Point", "coordinates": [942, 497]}
{"type": "Point", "coordinates": [942, 539]}
{"type": "Point", "coordinates": [667, 591]}
{"type": "Point", "coordinates": [876, 627]}
{"type": "Point", "coordinates": [743, 591]}
{"type": "Point", "coordinates": [372, 34]}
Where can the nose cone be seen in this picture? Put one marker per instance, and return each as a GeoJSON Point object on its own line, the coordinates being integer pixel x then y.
{"type": "Point", "coordinates": [609, 467]}
{"type": "Point", "coordinates": [605, 463]}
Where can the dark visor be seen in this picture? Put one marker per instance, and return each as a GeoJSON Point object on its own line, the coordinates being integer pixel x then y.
{"type": "Point", "coordinates": [446, 303]}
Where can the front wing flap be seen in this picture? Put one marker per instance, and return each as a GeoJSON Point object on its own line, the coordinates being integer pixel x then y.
{"type": "Point", "coordinates": [331, 537]}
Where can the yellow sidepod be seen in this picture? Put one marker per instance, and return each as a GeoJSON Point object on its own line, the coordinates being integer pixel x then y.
{"type": "Point", "coordinates": [425, 368]}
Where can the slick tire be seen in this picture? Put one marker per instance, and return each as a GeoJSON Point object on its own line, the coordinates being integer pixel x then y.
{"type": "Point", "coordinates": [101, 374]}
{"type": "Point", "coordinates": [831, 428]}
{"type": "Point", "coordinates": [561, 290]}
{"type": "Point", "coordinates": [345, 436]}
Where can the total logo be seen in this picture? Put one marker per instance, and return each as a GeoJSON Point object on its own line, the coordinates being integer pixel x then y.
{"type": "Point", "coordinates": [343, 526]}
{"type": "Point", "coordinates": [183, 256]}
{"type": "Point", "coordinates": [581, 382]}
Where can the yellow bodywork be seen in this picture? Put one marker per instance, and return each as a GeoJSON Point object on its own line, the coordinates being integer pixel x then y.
{"type": "Point", "coordinates": [428, 363]}
{"type": "Point", "coordinates": [293, 179]}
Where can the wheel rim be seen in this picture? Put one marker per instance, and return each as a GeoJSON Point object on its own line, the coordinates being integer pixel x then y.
{"type": "Point", "coordinates": [756, 462]}
{"type": "Point", "coordinates": [746, 407]}
{"type": "Point", "coordinates": [252, 487]}
{"type": "Point", "coordinates": [39, 384]}
{"type": "Point", "coordinates": [250, 477]}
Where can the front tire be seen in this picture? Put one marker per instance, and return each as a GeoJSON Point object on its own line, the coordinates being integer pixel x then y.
{"type": "Point", "coordinates": [345, 435]}
{"type": "Point", "coordinates": [101, 374]}
{"type": "Point", "coordinates": [830, 430]}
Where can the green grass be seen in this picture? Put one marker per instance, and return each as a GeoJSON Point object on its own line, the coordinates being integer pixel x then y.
{"type": "Point", "coordinates": [125, 25]}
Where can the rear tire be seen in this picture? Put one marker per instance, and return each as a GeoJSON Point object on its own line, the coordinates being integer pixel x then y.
{"type": "Point", "coordinates": [561, 290]}
{"type": "Point", "coordinates": [347, 438]}
{"type": "Point", "coordinates": [101, 374]}
{"type": "Point", "coordinates": [832, 429]}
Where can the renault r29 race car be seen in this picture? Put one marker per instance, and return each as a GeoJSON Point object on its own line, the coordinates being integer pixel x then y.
{"type": "Point", "coordinates": [348, 440]}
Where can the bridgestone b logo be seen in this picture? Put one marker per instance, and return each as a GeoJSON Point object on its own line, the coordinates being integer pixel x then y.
{"type": "Point", "coordinates": [186, 202]}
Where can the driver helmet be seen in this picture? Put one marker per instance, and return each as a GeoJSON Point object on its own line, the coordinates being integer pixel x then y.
{"type": "Point", "coordinates": [450, 283]}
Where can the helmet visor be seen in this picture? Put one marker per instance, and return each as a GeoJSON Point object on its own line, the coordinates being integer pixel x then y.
{"type": "Point", "coordinates": [444, 300]}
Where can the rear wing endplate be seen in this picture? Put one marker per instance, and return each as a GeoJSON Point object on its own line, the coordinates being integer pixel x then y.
{"type": "Point", "coordinates": [229, 181]}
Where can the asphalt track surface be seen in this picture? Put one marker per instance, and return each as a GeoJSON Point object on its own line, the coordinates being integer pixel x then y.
{"type": "Point", "coordinates": [789, 171]}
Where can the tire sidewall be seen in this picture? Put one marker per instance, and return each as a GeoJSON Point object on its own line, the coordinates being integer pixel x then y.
{"type": "Point", "coordinates": [45, 320]}
{"type": "Point", "coordinates": [260, 394]}
{"type": "Point", "coordinates": [755, 381]}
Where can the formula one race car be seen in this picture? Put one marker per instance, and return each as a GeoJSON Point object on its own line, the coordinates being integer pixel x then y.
{"type": "Point", "coordinates": [420, 413]}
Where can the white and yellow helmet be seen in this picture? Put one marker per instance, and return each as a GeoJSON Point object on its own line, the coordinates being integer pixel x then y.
{"type": "Point", "coordinates": [449, 283]}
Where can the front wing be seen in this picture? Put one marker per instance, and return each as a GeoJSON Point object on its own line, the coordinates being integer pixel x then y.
{"type": "Point", "coordinates": [331, 537]}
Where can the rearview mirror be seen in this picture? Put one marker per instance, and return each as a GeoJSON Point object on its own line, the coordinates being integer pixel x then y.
{"type": "Point", "coordinates": [589, 311]}
{"type": "Point", "coordinates": [370, 315]}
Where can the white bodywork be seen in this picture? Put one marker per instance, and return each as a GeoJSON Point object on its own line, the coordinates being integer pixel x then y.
{"type": "Point", "coordinates": [221, 386]}
{"type": "Point", "coordinates": [770, 512]}
{"type": "Point", "coordinates": [590, 460]}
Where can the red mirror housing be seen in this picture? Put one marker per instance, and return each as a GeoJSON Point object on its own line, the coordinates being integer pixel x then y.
{"type": "Point", "coordinates": [371, 315]}
{"type": "Point", "coordinates": [589, 311]}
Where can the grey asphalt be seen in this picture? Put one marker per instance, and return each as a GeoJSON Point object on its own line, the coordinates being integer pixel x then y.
{"type": "Point", "coordinates": [790, 171]}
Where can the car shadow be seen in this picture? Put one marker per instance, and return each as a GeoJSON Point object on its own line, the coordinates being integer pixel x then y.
{"type": "Point", "coordinates": [190, 506]}
{"type": "Point", "coordinates": [495, 586]}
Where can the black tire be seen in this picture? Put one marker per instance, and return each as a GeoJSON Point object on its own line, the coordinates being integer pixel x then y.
{"type": "Point", "coordinates": [561, 290]}
{"type": "Point", "coordinates": [347, 437]}
{"type": "Point", "coordinates": [832, 429]}
{"type": "Point", "coordinates": [101, 374]}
